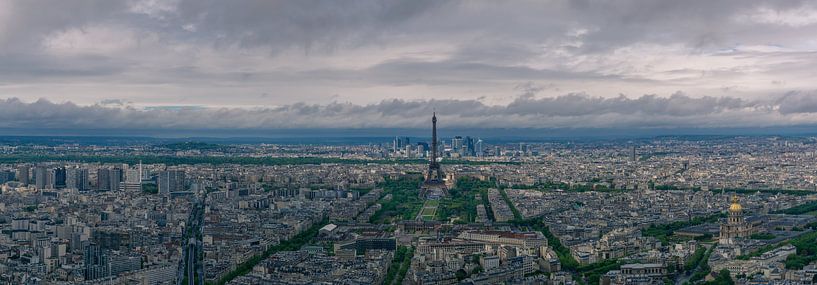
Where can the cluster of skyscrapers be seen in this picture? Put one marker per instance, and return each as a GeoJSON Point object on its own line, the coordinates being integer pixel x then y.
{"type": "Point", "coordinates": [47, 177]}
{"type": "Point", "coordinates": [458, 147]}
{"type": "Point", "coordinates": [171, 181]}
{"type": "Point", "coordinates": [60, 177]}
{"type": "Point", "coordinates": [116, 178]}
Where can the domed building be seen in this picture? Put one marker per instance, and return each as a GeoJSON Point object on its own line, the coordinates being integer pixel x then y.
{"type": "Point", "coordinates": [735, 225]}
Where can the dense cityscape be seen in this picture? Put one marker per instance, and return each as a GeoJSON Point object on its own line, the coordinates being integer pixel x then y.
{"type": "Point", "coordinates": [446, 211]}
{"type": "Point", "coordinates": [408, 142]}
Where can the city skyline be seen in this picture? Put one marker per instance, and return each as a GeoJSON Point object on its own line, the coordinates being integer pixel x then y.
{"type": "Point", "coordinates": [597, 212]}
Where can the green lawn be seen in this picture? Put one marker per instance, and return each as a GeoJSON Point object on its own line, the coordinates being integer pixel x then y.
{"type": "Point", "coordinates": [462, 200]}
{"type": "Point", "coordinates": [429, 211]}
{"type": "Point", "coordinates": [405, 202]}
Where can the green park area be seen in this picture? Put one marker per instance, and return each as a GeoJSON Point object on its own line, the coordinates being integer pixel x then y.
{"type": "Point", "coordinates": [401, 200]}
{"type": "Point", "coordinates": [809, 208]}
{"type": "Point", "coordinates": [461, 203]}
{"type": "Point", "coordinates": [399, 265]}
{"type": "Point", "coordinates": [429, 211]}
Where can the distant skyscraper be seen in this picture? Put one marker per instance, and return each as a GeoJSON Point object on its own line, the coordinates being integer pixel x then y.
{"type": "Point", "coordinates": [50, 178]}
{"type": "Point", "coordinates": [22, 174]}
{"type": "Point", "coordinates": [456, 143]}
{"type": "Point", "coordinates": [423, 145]}
{"type": "Point", "coordinates": [523, 149]}
{"type": "Point", "coordinates": [109, 179]}
{"type": "Point", "coordinates": [71, 178]}
{"type": "Point", "coordinates": [171, 181]}
{"type": "Point", "coordinates": [133, 180]}
{"type": "Point", "coordinates": [633, 155]}
{"type": "Point", "coordinates": [59, 178]}
{"type": "Point", "coordinates": [77, 178]}
{"type": "Point", "coordinates": [478, 148]}
{"type": "Point", "coordinates": [6, 175]}
{"type": "Point", "coordinates": [115, 177]}
{"type": "Point", "coordinates": [96, 262]}
{"type": "Point", "coordinates": [400, 143]}
{"type": "Point", "coordinates": [103, 180]}
{"type": "Point", "coordinates": [41, 177]}
{"type": "Point", "coordinates": [470, 149]}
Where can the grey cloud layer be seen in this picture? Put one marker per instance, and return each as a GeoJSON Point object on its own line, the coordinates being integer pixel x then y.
{"type": "Point", "coordinates": [568, 111]}
{"type": "Point", "coordinates": [401, 54]}
{"type": "Point", "coordinates": [322, 25]}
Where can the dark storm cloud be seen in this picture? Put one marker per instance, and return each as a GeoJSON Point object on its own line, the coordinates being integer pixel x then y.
{"type": "Point", "coordinates": [697, 23]}
{"type": "Point", "coordinates": [397, 71]}
{"type": "Point", "coordinates": [677, 105]}
{"type": "Point", "coordinates": [323, 26]}
{"type": "Point", "coordinates": [25, 23]}
{"type": "Point", "coordinates": [308, 24]}
{"type": "Point", "coordinates": [20, 67]}
{"type": "Point", "coordinates": [579, 110]}
{"type": "Point", "coordinates": [247, 22]}
{"type": "Point", "coordinates": [798, 102]}
{"type": "Point", "coordinates": [326, 25]}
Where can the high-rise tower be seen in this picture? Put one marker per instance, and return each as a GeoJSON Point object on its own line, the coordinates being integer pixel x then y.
{"type": "Point", "coordinates": [434, 137]}
{"type": "Point", "coordinates": [435, 173]}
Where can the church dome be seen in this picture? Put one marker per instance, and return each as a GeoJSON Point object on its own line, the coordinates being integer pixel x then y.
{"type": "Point", "coordinates": [735, 207]}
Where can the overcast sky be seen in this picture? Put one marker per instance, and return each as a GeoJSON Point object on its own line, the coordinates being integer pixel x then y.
{"type": "Point", "coordinates": [263, 64]}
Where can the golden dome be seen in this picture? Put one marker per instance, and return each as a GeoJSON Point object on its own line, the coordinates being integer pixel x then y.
{"type": "Point", "coordinates": [735, 207]}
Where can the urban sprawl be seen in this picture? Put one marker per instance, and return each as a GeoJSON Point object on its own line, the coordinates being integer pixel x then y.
{"type": "Point", "coordinates": [454, 210]}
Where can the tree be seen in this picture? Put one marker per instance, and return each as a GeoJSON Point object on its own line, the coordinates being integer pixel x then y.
{"type": "Point", "coordinates": [723, 278]}
{"type": "Point", "coordinates": [461, 274]}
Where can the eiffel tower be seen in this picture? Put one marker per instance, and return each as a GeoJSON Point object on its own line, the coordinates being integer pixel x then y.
{"type": "Point", "coordinates": [434, 175]}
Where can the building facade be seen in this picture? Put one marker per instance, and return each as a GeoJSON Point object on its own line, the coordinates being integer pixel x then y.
{"type": "Point", "coordinates": [735, 225]}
